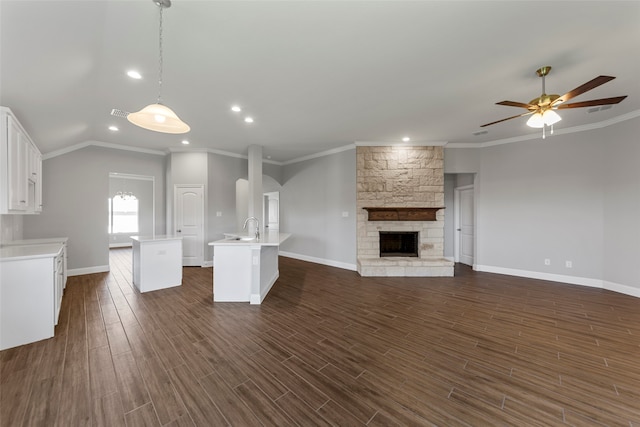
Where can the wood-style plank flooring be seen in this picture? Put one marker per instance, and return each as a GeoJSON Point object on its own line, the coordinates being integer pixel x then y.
{"type": "Point", "coordinates": [328, 347]}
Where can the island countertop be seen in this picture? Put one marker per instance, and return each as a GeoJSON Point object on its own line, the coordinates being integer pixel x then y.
{"type": "Point", "coordinates": [156, 237]}
{"type": "Point", "coordinates": [272, 238]}
{"type": "Point", "coordinates": [12, 253]}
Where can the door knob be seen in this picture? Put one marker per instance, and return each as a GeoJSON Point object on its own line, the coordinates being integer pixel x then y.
{"type": "Point", "coordinates": [179, 231]}
{"type": "Point", "coordinates": [458, 229]}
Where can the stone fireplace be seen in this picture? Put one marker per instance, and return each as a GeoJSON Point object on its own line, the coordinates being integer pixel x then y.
{"type": "Point", "coordinates": [401, 190]}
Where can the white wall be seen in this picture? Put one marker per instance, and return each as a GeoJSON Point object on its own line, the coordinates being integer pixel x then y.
{"type": "Point", "coordinates": [314, 195]}
{"type": "Point", "coordinates": [75, 193]}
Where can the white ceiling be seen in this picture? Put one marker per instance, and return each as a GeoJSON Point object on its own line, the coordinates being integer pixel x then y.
{"type": "Point", "coordinates": [315, 75]}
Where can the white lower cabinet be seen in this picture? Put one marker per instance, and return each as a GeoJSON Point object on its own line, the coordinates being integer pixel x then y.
{"type": "Point", "coordinates": [31, 288]}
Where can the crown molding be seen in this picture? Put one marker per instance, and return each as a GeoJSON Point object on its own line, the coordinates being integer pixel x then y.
{"type": "Point", "coordinates": [320, 154]}
{"type": "Point", "coordinates": [85, 144]}
{"type": "Point", "coordinates": [565, 131]}
{"type": "Point", "coordinates": [591, 126]}
{"type": "Point", "coordinates": [401, 144]}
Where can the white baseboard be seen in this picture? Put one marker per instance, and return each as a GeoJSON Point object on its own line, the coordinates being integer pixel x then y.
{"type": "Point", "coordinates": [207, 264]}
{"type": "Point", "coordinates": [87, 270]}
{"type": "Point", "coordinates": [572, 280]}
{"type": "Point", "coordinates": [329, 262]}
{"type": "Point", "coordinates": [450, 258]}
{"type": "Point", "coordinates": [622, 289]}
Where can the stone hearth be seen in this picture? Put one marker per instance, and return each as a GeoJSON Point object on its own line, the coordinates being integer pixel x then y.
{"type": "Point", "coordinates": [399, 178]}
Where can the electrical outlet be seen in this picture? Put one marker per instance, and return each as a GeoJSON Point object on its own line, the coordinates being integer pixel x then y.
{"type": "Point", "coordinates": [568, 264]}
{"type": "Point", "coordinates": [547, 261]}
{"type": "Point", "coordinates": [218, 213]}
{"type": "Point", "coordinates": [345, 214]}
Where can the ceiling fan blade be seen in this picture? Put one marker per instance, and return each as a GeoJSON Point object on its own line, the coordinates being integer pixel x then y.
{"type": "Point", "coordinates": [508, 118]}
{"type": "Point", "coordinates": [592, 103]}
{"type": "Point", "coordinates": [592, 84]}
{"type": "Point", "coordinates": [516, 104]}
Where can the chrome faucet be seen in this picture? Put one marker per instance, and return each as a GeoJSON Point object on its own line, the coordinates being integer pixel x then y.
{"type": "Point", "coordinates": [257, 225]}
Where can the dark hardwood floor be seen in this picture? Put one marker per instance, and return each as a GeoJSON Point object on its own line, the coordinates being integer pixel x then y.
{"type": "Point", "coordinates": [328, 347]}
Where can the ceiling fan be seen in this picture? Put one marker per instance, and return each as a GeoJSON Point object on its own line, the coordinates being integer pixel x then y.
{"type": "Point", "coordinates": [542, 108]}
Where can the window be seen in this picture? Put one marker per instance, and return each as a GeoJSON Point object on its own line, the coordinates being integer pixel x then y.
{"type": "Point", "coordinates": [123, 214]}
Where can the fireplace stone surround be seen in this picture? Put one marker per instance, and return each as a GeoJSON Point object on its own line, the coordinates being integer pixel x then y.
{"type": "Point", "coordinates": [397, 178]}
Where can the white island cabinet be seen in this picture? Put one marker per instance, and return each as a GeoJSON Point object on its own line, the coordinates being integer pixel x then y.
{"type": "Point", "coordinates": [157, 262]}
{"type": "Point", "coordinates": [245, 268]}
{"type": "Point", "coordinates": [31, 286]}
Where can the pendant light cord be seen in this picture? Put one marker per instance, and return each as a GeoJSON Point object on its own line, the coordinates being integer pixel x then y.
{"type": "Point", "coordinates": [160, 58]}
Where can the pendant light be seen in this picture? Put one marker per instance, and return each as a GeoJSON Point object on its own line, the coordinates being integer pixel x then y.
{"type": "Point", "coordinates": [158, 117]}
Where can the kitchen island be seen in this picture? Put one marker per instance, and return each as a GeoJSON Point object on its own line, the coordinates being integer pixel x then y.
{"type": "Point", "coordinates": [245, 268]}
{"type": "Point", "coordinates": [157, 262]}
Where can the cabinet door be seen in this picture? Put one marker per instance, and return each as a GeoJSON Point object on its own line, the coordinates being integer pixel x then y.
{"type": "Point", "coordinates": [38, 184]}
{"type": "Point", "coordinates": [58, 286]}
{"type": "Point", "coordinates": [17, 166]}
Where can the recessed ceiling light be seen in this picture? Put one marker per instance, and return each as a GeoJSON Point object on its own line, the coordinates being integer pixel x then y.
{"type": "Point", "coordinates": [248, 119]}
{"type": "Point", "coordinates": [185, 142]}
{"type": "Point", "coordinates": [236, 108]}
{"type": "Point", "coordinates": [114, 128]}
{"type": "Point", "coordinates": [134, 74]}
{"type": "Point", "coordinates": [406, 139]}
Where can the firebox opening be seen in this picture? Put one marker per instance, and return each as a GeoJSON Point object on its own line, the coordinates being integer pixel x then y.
{"type": "Point", "coordinates": [398, 244]}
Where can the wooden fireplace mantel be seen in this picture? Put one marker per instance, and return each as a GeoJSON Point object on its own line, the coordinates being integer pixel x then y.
{"type": "Point", "coordinates": [402, 214]}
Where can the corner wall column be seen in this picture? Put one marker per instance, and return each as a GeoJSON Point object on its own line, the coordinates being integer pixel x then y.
{"type": "Point", "coordinates": [255, 186]}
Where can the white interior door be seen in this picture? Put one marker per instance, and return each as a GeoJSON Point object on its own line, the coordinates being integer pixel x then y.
{"type": "Point", "coordinates": [189, 222]}
{"type": "Point", "coordinates": [272, 210]}
{"type": "Point", "coordinates": [466, 226]}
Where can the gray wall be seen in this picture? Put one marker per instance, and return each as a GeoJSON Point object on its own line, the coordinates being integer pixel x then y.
{"type": "Point", "coordinates": [449, 185]}
{"type": "Point", "coordinates": [622, 203]}
{"type": "Point", "coordinates": [75, 193]}
{"type": "Point", "coordinates": [542, 199]}
{"type": "Point", "coordinates": [314, 194]}
{"type": "Point", "coordinates": [572, 197]}
{"type": "Point", "coordinates": [223, 173]}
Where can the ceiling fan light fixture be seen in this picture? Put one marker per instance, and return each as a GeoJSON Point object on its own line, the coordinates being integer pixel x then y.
{"type": "Point", "coordinates": [547, 118]}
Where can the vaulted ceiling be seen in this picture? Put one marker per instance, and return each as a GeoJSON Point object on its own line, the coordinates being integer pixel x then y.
{"type": "Point", "coordinates": [314, 75]}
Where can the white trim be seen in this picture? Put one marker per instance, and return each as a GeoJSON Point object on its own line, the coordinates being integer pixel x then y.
{"type": "Point", "coordinates": [449, 258]}
{"type": "Point", "coordinates": [130, 176]}
{"type": "Point", "coordinates": [207, 264]}
{"type": "Point", "coordinates": [401, 144]}
{"type": "Point", "coordinates": [88, 270]}
{"type": "Point", "coordinates": [623, 289]}
{"type": "Point", "coordinates": [320, 154]}
{"type": "Point", "coordinates": [572, 280]}
{"type": "Point", "coordinates": [330, 263]}
{"type": "Point", "coordinates": [85, 144]}
{"type": "Point", "coordinates": [574, 129]}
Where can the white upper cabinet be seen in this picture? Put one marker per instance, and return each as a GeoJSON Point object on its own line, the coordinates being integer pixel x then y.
{"type": "Point", "coordinates": [20, 168]}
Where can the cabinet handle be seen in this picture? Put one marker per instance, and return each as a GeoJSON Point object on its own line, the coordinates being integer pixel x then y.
{"type": "Point", "coordinates": [23, 201]}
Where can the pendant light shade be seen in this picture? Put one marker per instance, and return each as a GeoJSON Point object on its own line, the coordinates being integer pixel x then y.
{"type": "Point", "coordinates": [158, 117]}
{"type": "Point", "coordinates": [547, 118]}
